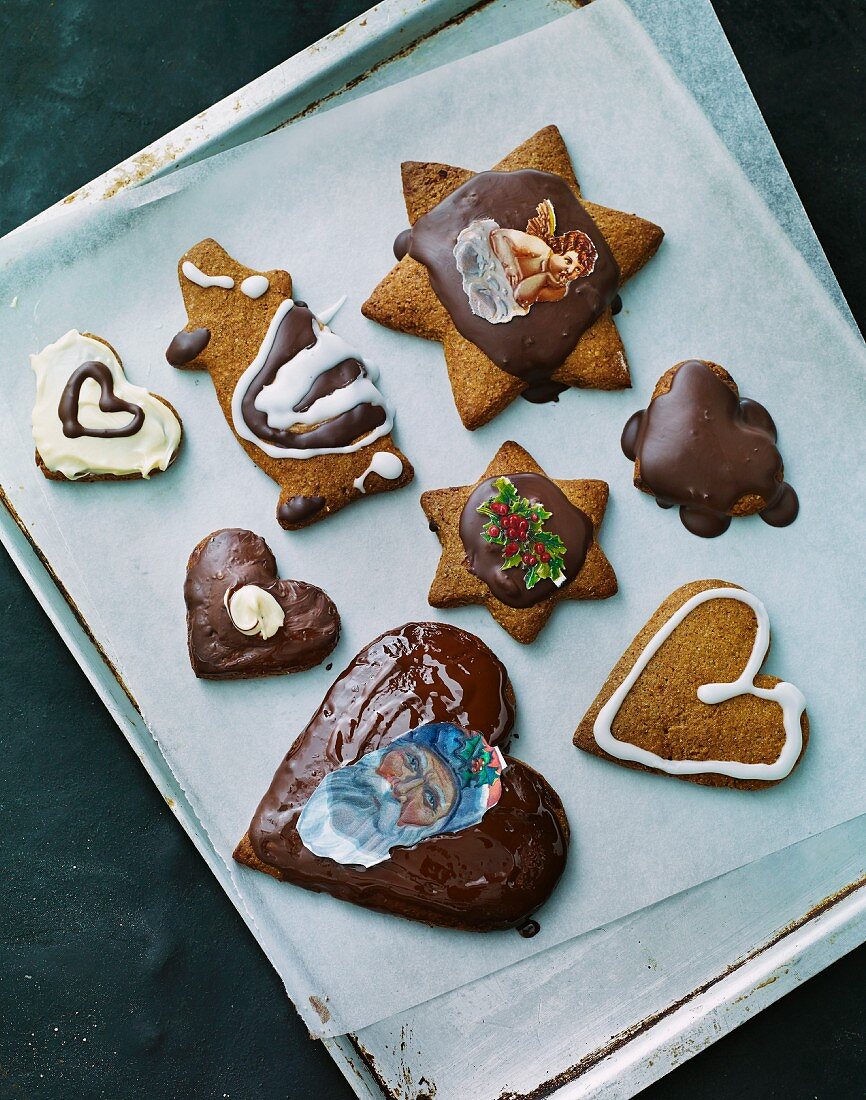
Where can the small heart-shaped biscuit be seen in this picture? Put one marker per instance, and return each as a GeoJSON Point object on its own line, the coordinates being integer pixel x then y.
{"type": "Point", "coordinates": [490, 875]}
{"type": "Point", "coordinates": [90, 423]}
{"type": "Point", "coordinates": [686, 698]}
{"type": "Point", "coordinates": [244, 621]}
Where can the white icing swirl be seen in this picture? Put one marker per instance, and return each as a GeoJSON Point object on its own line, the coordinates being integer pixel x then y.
{"type": "Point", "coordinates": [197, 276]}
{"type": "Point", "coordinates": [151, 448]}
{"type": "Point", "coordinates": [789, 698]}
{"type": "Point", "coordinates": [253, 610]}
{"type": "Point", "coordinates": [292, 383]}
{"type": "Point", "coordinates": [384, 464]}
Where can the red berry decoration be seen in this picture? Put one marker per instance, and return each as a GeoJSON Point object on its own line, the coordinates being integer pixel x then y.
{"type": "Point", "coordinates": [517, 529]}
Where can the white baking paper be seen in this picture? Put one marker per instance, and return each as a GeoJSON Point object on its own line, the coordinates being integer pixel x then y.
{"type": "Point", "coordinates": [322, 198]}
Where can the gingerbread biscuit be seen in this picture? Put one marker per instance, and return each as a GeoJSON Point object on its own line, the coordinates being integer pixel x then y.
{"type": "Point", "coordinates": [493, 874]}
{"type": "Point", "coordinates": [299, 399]}
{"type": "Point", "coordinates": [699, 447]}
{"type": "Point", "coordinates": [90, 423]}
{"type": "Point", "coordinates": [687, 698]}
{"type": "Point", "coordinates": [519, 542]}
{"type": "Point", "coordinates": [516, 275]}
{"type": "Point", "coordinates": [243, 620]}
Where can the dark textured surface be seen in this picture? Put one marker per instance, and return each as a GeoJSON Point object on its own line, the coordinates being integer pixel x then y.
{"type": "Point", "coordinates": [124, 969]}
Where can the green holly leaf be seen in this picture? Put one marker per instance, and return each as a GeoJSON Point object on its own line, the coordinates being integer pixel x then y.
{"type": "Point", "coordinates": [510, 563]}
{"type": "Point", "coordinates": [507, 493]}
{"type": "Point", "coordinates": [486, 510]}
{"type": "Point", "coordinates": [543, 571]}
{"type": "Point", "coordinates": [532, 578]}
{"type": "Point", "coordinates": [542, 513]}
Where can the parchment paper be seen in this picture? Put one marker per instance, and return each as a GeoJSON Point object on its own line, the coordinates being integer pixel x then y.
{"type": "Point", "coordinates": [322, 198]}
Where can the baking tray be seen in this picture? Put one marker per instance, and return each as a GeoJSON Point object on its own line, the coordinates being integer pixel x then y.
{"type": "Point", "coordinates": [609, 1012]}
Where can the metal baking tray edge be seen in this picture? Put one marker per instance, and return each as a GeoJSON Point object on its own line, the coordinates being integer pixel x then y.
{"type": "Point", "coordinates": [328, 70]}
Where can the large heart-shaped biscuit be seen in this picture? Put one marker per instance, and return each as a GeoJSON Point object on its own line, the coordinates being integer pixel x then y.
{"type": "Point", "coordinates": [234, 571]}
{"type": "Point", "coordinates": [686, 698]}
{"type": "Point", "coordinates": [491, 875]}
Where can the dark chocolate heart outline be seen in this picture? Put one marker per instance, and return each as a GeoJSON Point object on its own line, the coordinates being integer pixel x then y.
{"type": "Point", "coordinates": [492, 876]}
{"type": "Point", "coordinates": [109, 402]}
{"type": "Point", "coordinates": [238, 655]}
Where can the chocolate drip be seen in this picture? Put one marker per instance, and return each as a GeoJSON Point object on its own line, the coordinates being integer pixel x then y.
{"type": "Point", "coordinates": [700, 448]}
{"type": "Point", "coordinates": [534, 346]}
{"type": "Point", "coordinates": [489, 876]}
{"type": "Point", "coordinates": [484, 559]}
{"type": "Point", "coordinates": [297, 331]}
{"type": "Point", "coordinates": [186, 346]}
{"type": "Point", "coordinates": [530, 929]}
{"type": "Point", "coordinates": [228, 560]}
{"type": "Point", "coordinates": [109, 402]}
{"type": "Point", "coordinates": [297, 509]}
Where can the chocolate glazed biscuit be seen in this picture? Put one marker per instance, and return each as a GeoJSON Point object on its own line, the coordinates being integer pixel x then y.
{"type": "Point", "coordinates": [484, 560]}
{"type": "Point", "coordinates": [220, 566]}
{"type": "Point", "coordinates": [532, 347]}
{"type": "Point", "coordinates": [699, 447]}
{"type": "Point", "coordinates": [492, 875]}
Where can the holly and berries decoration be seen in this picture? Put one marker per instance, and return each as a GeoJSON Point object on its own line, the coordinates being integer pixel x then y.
{"type": "Point", "coordinates": [479, 766]}
{"type": "Point", "coordinates": [517, 526]}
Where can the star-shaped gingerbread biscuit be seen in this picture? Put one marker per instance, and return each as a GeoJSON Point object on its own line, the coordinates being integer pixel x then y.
{"type": "Point", "coordinates": [405, 299]}
{"type": "Point", "coordinates": [519, 572]}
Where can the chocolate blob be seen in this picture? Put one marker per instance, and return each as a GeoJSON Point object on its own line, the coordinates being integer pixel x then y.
{"type": "Point", "coordinates": [489, 876]}
{"type": "Point", "coordinates": [226, 561]}
{"type": "Point", "coordinates": [186, 346]}
{"type": "Point", "coordinates": [484, 559]}
{"type": "Point", "coordinates": [701, 448]}
{"type": "Point", "coordinates": [298, 330]}
{"type": "Point", "coordinates": [109, 402]}
{"type": "Point", "coordinates": [534, 346]}
{"type": "Point", "coordinates": [297, 509]}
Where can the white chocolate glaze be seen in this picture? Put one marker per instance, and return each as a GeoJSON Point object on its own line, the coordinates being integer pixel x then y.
{"type": "Point", "coordinates": [253, 610]}
{"type": "Point", "coordinates": [254, 286]}
{"type": "Point", "coordinates": [788, 697]}
{"type": "Point", "coordinates": [197, 276]}
{"type": "Point", "coordinates": [385, 465]}
{"type": "Point", "coordinates": [151, 448]}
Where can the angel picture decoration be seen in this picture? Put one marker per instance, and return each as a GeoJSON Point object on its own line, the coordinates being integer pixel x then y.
{"type": "Point", "coordinates": [507, 271]}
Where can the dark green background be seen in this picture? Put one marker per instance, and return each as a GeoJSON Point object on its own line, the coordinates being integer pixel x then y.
{"type": "Point", "coordinates": [124, 970]}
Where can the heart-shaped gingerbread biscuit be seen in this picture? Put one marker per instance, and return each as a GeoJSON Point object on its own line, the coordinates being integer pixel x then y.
{"type": "Point", "coordinates": [490, 875]}
{"type": "Point", "coordinates": [687, 698]}
{"type": "Point", "coordinates": [90, 423]}
{"type": "Point", "coordinates": [242, 620]}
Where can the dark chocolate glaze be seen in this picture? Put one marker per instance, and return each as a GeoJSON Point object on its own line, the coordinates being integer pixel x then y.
{"type": "Point", "coordinates": [227, 560]}
{"type": "Point", "coordinates": [67, 408]}
{"type": "Point", "coordinates": [298, 330]}
{"type": "Point", "coordinates": [185, 346]}
{"type": "Point", "coordinates": [490, 876]}
{"type": "Point", "coordinates": [297, 509]}
{"type": "Point", "coordinates": [532, 347]}
{"type": "Point", "coordinates": [484, 559]}
{"type": "Point", "coordinates": [701, 448]}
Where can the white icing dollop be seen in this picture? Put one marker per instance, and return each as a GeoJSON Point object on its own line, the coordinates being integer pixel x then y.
{"type": "Point", "coordinates": [385, 465]}
{"type": "Point", "coordinates": [789, 698]}
{"type": "Point", "coordinates": [255, 286]}
{"type": "Point", "coordinates": [253, 610]}
{"type": "Point", "coordinates": [151, 448]}
{"type": "Point", "coordinates": [292, 383]}
{"type": "Point", "coordinates": [197, 276]}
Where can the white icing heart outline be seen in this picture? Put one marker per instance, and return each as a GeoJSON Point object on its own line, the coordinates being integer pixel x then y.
{"type": "Point", "coordinates": [789, 698]}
